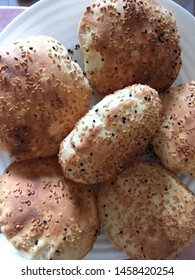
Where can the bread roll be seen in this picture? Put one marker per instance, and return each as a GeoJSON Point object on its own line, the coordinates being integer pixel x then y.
{"type": "Point", "coordinates": [175, 141]}
{"type": "Point", "coordinates": [111, 135]}
{"type": "Point", "coordinates": [42, 95]}
{"type": "Point", "coordinates": [126, 42]}
{"type": "Point", "coordinates": [147, 213]}
{"type": "Point", "coordinates": [45, 216]}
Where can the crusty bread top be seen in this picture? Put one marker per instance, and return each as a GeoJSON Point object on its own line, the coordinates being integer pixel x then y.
{"type": "Point", "coordinates": [126, 42]}
{"type": "Point", "coordinates": [44, 215]}
{"type": "Point", "coordinates": [175, 141]}
{"type": "Point", "coordinates": [42, 95]}
{"type": "Point", "coordinates": [147, 212]}
{"type": "Point", "coordinates": [111, 135]}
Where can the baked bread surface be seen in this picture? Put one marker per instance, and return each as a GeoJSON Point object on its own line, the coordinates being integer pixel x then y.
{"type": "Point", "coordinates": [111, 135]}
{"type": "Point", "coordinates": [147, 212]}
{"type": "Point", "coordinates": [174, 142]}
{"type": "Point", "coordinates": [42, 95]}
{"type": "Point", "coordinates": [128, 42]}
{"type": "Point", "coordinates": [45, 216]}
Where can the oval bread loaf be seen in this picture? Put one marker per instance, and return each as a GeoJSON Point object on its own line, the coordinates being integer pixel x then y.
{"type": "Point", "coordinates": [126, 42]}
{"type": "Point", "coordinates": [42, 95]}
{"type": "Point", "coordinates": [111, 135]}
{"type": "Point", "coordinates": [45, 216]}
{"type": "Point", "coordinates": [147, 212]}
{"type": "Point", "coordinates": [174, 142]}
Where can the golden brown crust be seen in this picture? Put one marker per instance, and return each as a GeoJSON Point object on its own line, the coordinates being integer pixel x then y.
{"type": "Point", "coordinates": [147, 213]}
{"type": "Point", "coordinates": [127, 42]}
{"type": "Point", "coordinates": [42, 95]}
{"type": "Point", "coordinates": [174, 143]}
{"type": "Point", "coordinates": [115, 132]}
{"type": "Point", "coordinates": [45, 216]}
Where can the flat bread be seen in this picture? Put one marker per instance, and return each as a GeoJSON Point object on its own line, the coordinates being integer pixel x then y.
{"type": "Point", "coordinates": [147, 212]}
{"type": "Point", "coordinates": [45, 216]}
{"type": "Point", "coordinates": [126, 42]}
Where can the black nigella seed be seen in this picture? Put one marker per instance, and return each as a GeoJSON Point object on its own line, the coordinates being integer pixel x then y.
{"type": "Point", "coordinates": [135, 111]}
{"type": "Point", "coordinates": [64, 238]}
{"type": "Point", "coordinates": [7, 172]}
{"type": "Point", "coordinates": [166, 189]}
{"type": "Point", "coordinates": [102, 59]}
{"type": "Point", "coordinates": [137, 231]}
{"type": "Point", "coordinates": [106, 215]}
{"type": "Point", "coordinates": [113, 134]}
{"type": "Point", "coordinates": [125, 6]}
{"type": "Point", "coordinates": [115, 116]}
{"type": "Point", "coordinates": [96, 110]}
{"type": "Point", "coordinates": [65, 229]}
{"type": "Point", "coordinates": [91, 154]}
{"type": "Point", "coordinates": [58, 251]}
{"type": "Point", "coordinates": [87, 61]}
{"type": "Point", "coordinates": [53, 48]}
{"type": "Point", "coordinates": [94, 121]}
{"type": "Point", "coordinates": [77, 46]}
{"type": "Point", "coordinates": [30, 48]}
{"type": "Point", "coordinates": [69, 169]}
{"type": "Point", "coordinates": [123, 119]}
{"type": "Point", "coordinates": [130, 95]}
{"type": "Point", "coordinates": [36, 242]}
{"type": "Point", "coordinates": [82, 169]}
{"type": "Point", "coordinates": [121, 232]}
{"type": "Point", "coordinates": [81, 164]}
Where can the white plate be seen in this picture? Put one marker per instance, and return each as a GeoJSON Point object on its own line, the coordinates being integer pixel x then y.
{"type": "Point", "coordinates": [59, 19]}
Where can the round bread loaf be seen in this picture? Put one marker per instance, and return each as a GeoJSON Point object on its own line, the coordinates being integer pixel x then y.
{"type": "Point", "coordinates": [111, 135]}
{"type": "Point", "coordinates": [147, 213]}
{"type": "Point", "coordinates": [126, 42]}
{"type": "Point", "coordinates": [175, 141]}
{"type": "Point", "coordinates": [45, 216]}
{"type": "Point", "coordinates": [42, 95]}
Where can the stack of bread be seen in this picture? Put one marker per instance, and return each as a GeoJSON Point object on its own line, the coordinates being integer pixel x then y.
{"type": "Point", "coordinates": [48, 209]}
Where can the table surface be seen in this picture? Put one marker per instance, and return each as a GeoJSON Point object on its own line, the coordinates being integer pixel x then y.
{"type": "Point", "coordinates": [7, 14]}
